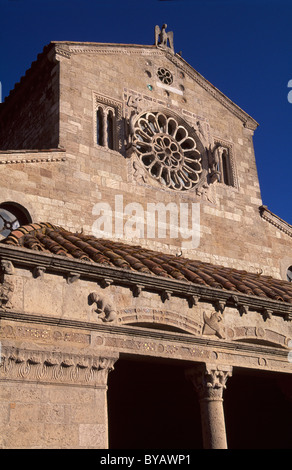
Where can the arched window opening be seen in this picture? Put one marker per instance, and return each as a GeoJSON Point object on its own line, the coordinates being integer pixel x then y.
{"type": "Point", "coordinates": [224, 167]}
{"type": "Point", "coordinates": [110, 130]}
{"type": "Point", "coordinates": [289, 274]}
{"type": "Point", "coordinates": [106, 126]}
{"type": "Point", "coordinates": [12, 216]}
{"type": "Point", "coordinates": [99, 126]}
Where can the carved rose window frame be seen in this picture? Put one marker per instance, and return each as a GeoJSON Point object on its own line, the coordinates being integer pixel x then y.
{"type": "Point", "coordinates": [169, 150]}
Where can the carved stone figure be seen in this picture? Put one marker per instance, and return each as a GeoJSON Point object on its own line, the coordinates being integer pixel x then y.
{"type": "Point", "coordinates": [6, 289]}
{"type": "Point", "coordinates": [213, 160]}
{"type": "Point", "coordinates": [162, 37]}
{"type": "Point", "coordinates": [213, 326]}
{"type": "Point", "coordinates": [106, 311]}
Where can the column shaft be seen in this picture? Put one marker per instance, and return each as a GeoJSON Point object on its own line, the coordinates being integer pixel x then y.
{"type": "Point", "coordinates": [209, 382]}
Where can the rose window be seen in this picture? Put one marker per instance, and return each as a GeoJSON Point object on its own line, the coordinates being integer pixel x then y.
{"type": "Point", "coordinates": [8, 222]}
{"type": "Point", "coordinates": [167, 150]}
{"type": "Point", "coordinates": [165, 76]}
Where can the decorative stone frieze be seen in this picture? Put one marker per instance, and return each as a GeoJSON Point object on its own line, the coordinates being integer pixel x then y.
{"type": "Point", "coordinates": [54, 367]}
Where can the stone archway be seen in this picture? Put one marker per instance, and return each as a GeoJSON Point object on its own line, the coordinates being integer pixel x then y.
{"type": "Point", "coordinates": [152, 405]}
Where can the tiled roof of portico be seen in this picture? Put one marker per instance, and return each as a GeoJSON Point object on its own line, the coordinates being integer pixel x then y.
{"type": "Point", "coordinates": [51, 239]}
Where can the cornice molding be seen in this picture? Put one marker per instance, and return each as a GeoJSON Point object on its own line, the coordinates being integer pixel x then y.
{"type": "Point", "coordinates": [247, 120]}
{"type": "Point", "coordinates": [275, 220]}
{"type": "Point", "coordinates": [29, 259]}
{"type": "Point", "coordinates": [32, 156]}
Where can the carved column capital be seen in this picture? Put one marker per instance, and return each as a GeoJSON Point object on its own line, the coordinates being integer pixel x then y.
{"type": "Point", "coordinates": [209, 380]}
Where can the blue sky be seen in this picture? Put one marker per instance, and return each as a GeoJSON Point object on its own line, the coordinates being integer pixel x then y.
{"type": "Point", "coordinates": [243, 47]}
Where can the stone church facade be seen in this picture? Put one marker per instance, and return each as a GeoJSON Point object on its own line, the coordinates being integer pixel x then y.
{"type": "Point", "coordinates": [145, 291]}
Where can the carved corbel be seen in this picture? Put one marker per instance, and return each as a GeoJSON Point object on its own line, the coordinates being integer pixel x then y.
{"type": "Point", "coordinates": [137, 289]}
{"type": "Point", "coordinates": [103, 308]}
{"type": "Point", "coordinates": [38, 271]}
{"type": "Point", "coordinates": [193, 300]}
{"type": "Point", "coordinates": [234, 299]}
{"type": "Point", "coordinates": [72, 277]}
{"type": "Point", "coordinates": [288, 316]}
{"type": "Point", "coordinates": [267, 314]}
{"type": "Point", "coordinates": [220, 306]}
{"type": "Point", "coordinates": [105, 282]}
{"type": "Point", "coordinates": [165, 295]}
{"type": "Point", "coordinates": [243, 309]}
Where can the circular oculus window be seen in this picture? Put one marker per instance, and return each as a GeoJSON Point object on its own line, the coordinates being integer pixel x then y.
{"type": "Point", "coordinates": [165, 76]}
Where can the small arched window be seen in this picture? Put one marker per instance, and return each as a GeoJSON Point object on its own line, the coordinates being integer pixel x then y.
{"type": "Point", "coordinates": [12, 216]}
{"type": "Point", "coordinates": [224, 167]}
{"type": "Point", "coordinates": [99, 126]}
{"type": "Point", "coordinates": [110, 130]}
{"type": "Point", "coordinates": [106, 132]}
{"type": "Point", "coordinates": [289, 274]}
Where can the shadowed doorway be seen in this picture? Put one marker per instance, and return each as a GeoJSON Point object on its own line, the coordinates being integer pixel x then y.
{"type": "Point", "coordinates": [152, 406]}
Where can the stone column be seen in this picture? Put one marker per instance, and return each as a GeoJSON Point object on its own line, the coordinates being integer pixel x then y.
{"type": "Point", "coordinates": [209, 382]}
{"type": "Point", "coordinates": [104, 128]}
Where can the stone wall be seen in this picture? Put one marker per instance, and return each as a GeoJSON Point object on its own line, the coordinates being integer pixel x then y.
{"type": "Point", "coordinates": [65, 191]}
{"type": "Point", "coordinates": [29, 117]}
{"type": "Point", "coordinates": [57, 349]}
{"type": "Point", "coordinates": [36, 415]}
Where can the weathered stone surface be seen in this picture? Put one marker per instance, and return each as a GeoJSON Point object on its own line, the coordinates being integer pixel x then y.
{"type": "Point", "coordinates": [64, 322]}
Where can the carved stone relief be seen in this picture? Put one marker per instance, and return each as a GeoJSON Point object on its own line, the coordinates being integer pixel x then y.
{"type": "Point", "coordinates": [209, 381]}
{"type": "Point", "coordinates": [167, 151]}
{"type": "Point", "coordinates": [6, 283]}
{"type": "Point", "coordinates": [50, 367]}
{"type": "Point", "coordinates": [103, 308]}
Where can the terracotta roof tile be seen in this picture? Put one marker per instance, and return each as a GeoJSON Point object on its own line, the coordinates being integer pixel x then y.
{"type": "Point", "coordinates": [52, 239]}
